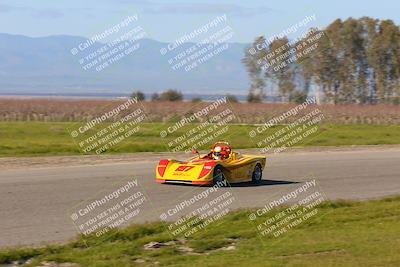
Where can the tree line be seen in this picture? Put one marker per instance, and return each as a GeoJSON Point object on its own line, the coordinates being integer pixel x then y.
{"type": "Point", "coordinates": [355, 61]}
{"type": "Point", "coordinates": [173, 95]}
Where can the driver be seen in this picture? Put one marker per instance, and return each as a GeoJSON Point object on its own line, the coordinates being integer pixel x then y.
{"type": "Point", "coordinates": [219, 153]}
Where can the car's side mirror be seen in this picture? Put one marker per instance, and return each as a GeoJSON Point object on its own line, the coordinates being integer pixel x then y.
{"type": "Point", "coordinates": [194, 151]}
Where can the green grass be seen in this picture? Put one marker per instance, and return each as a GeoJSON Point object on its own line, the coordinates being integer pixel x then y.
{"type": "Point", "coordinates": [52, 138]}
{"type": "Point", "coordinates": [348, 234]}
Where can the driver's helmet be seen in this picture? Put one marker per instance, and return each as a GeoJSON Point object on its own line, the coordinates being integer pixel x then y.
{"type": "Point", "coordinates": [220, 152]}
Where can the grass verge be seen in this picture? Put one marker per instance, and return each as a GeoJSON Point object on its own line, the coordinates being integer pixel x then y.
{"type": "Point", "coordinates": [350, 234]}
{"type": "Point", "coordinates": [51, 138]}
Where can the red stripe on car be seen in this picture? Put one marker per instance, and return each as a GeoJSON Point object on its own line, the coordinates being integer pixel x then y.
{"type": "Point", "coordinates": [162, 166]}
{"type": "Point", "coordinates": [208, 166]}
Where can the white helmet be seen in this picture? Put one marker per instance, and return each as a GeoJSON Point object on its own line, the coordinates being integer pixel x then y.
{"type": "Point", "coordinates": [217, 152]}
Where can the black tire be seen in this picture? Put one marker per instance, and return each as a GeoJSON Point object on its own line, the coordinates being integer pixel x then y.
{"type": "Point", "coordinates": [218, 175]}
{"type": "Point", "coordinates": [257, 174]}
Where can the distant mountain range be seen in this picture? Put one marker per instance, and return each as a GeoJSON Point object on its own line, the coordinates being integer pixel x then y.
{"type": "Point", "coordinates": [45, 65]}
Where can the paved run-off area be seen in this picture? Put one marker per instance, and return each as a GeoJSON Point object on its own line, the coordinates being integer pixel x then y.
{"type": "Point", "coordinates": [36, 200]}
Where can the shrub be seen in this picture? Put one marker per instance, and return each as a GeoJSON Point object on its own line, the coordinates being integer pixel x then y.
{"type": "Point", "coordinates": [298, 97]}
{"type": "Point", "coordinates": [196, 100]}
{"type": "Point", "coordinates": [171, 95]}
{"type": "Point", "coordinates": [253, 98]}
{"type": "Point", "coordinates": [139, 95]}
{"type": "Point", "coordinates": [231, 98]}
{"type": "Point", "coordinates": [155, 97]}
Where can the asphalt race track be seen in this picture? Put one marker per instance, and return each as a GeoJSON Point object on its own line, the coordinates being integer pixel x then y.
{"type": "Point", "coordinates": [36, 201]}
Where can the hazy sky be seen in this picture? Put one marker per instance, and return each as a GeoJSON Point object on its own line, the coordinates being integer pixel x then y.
{"type": "Point", "coordinates": [167, 20]}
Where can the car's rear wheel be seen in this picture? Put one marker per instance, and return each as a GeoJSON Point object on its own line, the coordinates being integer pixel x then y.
{"type": "Point", "coordinates": [219, 176]}
{"type": "Point", "coordinates": [257, 174]}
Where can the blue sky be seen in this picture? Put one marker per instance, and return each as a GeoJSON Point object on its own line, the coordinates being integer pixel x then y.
{"type": "Point", "coordinates": [167, 20]}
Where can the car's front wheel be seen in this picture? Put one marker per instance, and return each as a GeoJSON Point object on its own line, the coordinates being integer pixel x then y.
{"type": "Point", "coordinates": [219, 177]}
{"type": "Point", "coordinates": [257, 174]}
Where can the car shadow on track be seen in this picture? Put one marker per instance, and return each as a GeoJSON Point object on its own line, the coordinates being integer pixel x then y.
{"type": "Point", "coordinates": [243, 184]}
{"type": "Point", "coordinates": [262, 183]}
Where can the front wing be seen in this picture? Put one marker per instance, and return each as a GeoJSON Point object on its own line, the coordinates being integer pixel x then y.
{"type": "Point", "coordinates": [173, 171]}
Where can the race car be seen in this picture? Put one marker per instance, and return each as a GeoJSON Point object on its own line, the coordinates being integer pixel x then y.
{"type": "Point", "coordinates": [219, 165]}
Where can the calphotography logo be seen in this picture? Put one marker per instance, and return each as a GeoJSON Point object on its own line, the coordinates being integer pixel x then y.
{"type": "Point", "coordinates": [293, 127]}
{"type": "Point", "coordinates": [212, 40]}
{"type": "Point", "coordinates": [290, 210]}
{"type": "Point", "coordinates": [111, 45]}
{"type": "Point", "coordinates": [110, 210]}
{"type": "Point", "coordinates": [200, 211]}
{"type": "Point", "coordinates": [200, 127]}
{"type": "Point", "coordinates": [111, 128]}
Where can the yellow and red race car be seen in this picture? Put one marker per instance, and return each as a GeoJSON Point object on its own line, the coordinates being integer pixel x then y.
{"type": "Point", "coordinates": [219, 165]}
